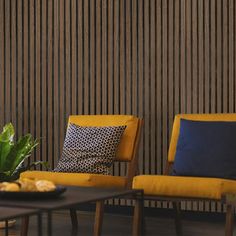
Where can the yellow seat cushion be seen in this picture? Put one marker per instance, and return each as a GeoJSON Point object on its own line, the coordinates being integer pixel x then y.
{"type": "Point", "coordinates": [192, 187]}
{"type": "Point", "coordinates": [127, 142]}
{"type": "Point", "coordinates": [78, 179]}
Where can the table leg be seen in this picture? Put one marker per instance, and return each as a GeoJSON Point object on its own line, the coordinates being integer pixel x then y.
{"type": "Point", "coordinates": [49, 223]}
{"type": "Point", "coordinates": [24, 225]}
{"type": "Point", "coordinates": [6, 227]}
{"type": "Point", "coordinates": [98, 218]}
{"type": "Point", "coordinates": [40, 233]}
{"type": "Point", "coordinates": [138, 219]}
{"type": "Point", "coordinates": [229, 224]}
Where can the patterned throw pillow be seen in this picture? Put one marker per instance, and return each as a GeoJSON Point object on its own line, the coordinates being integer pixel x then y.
{"type": "Point", "coordinates": [89, 149]}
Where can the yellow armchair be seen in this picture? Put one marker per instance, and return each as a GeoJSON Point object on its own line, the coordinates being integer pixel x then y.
{"type": "Point", "coordinates": [126, 152]}
{"type": "Point", "coordinates": [177, 188]}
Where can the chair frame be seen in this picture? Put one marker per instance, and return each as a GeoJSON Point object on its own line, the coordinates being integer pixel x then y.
{"type": "Point", "coordinates": [131, 172]}
{"type": "Point", "coordinates": [229, 220]}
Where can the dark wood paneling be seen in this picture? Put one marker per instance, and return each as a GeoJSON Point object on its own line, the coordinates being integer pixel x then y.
{"type": "Point", "coordinates": [150, 58]}
{"type": "Point", "coordinates": [2, 64]}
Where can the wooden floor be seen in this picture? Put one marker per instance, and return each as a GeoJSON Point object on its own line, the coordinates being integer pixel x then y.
{"type": "Point", "coordinates": [118, 225]}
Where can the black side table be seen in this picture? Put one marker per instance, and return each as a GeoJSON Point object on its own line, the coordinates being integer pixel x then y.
{"type": "Point", "coordinates": [7, 213]}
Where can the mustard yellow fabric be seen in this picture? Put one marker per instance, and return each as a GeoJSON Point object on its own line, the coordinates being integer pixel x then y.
{"type": "Point", "coordinates": [200, 117]}
{"type": "Point", "coordinates": [78, 179]}
{"type": "Point", "coordinates": [175, 186]}
{"type": "Point", "coordinates": [126, 146]}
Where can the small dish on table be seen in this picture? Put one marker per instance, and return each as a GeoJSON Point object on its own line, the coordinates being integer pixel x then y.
{"type": "Point", "coordinates": [26, 189]}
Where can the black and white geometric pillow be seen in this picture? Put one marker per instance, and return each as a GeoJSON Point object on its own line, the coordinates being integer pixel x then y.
{"type": "Point", "coordinates": [89, 149]}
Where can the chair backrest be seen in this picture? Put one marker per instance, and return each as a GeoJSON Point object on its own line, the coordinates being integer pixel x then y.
{"type": "Point", "coordinates": [199, 117]}
{"type": "Point", "coordinates": [128, 146]}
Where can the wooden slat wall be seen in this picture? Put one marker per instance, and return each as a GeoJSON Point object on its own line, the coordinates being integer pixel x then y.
{"type": "Point", "coordinates": [150, 58]}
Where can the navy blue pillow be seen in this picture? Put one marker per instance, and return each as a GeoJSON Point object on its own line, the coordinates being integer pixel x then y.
{"type": "Point", "coordinates": [206, 148]}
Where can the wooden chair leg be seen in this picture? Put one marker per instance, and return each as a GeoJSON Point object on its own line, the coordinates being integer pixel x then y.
{"type": "Point", "coordinates": [98, 218]}
{"type": "Point", "coordinates": [178, 223]}
{"type": "Point", "coordinates": [229, 224]}
{"type": "Point", "coordinates": [138, 224]}
{"type": "Point", "coordinates": [74, 220]}
{"type": "Point", "coordinates": [24, 226]}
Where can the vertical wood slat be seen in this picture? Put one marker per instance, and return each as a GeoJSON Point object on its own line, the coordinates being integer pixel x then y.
{"type": "Point", "coordinates": [50, 81]}
{"type": "Point", "coordinates": [67, 58]}
{"type": "Point", "coordinates": [116, 62]}
{"type": "Point", "coordinates": [86, 50]}
{"type": "Point", "coordinates": [122, 67]}
{"type": "Point", "coordinates": [234, 58]}
{"type": "Point", "coordinates": [31, 61]}
{"type": "Point", "coordinates": [2, 64]}
{"type": "Point", "coordinates": [61, 71]}
{"type": "Point", "coordinates": [110, 57]}
{"type": "Point", "coordinates": [25, 65]}
{"type": "Point", "coordinates": [225, 92]}
{"type": "Point", "coordinates": [213, 55]}
{"type": "Point", "coordinates": [80, 57]}
{"type": "Point", "coordinates": [134, 75]}
{"type": "Point", "coordinates": [207, 51]}
{"type": "Point", "coordinates": [128, 50]}
{"type": "Point", "coordinates": [13, 76]}
{"type": "Point", "coordinates": [98, 41]}
{"type": "Point", "coordinates": [189, 55]}
{"type": "Point", "coordinates": [231, 35]}
{"type": "Point", "coordinates": [152, 86]}
{"type": "Point", "coordinates": [201, 59]}
{"type": "Point", "coordinates": [176, 57]}
{"type": "Point", "coordinates": [170, 65]}
{"type": "Point", "coordinates": [92, 60]}
{"type": "Point", "coordinates": [7, 60]}
{"type": "Point", "coordinates": [38, 77]}
{"type": "Point", "coordinates": [44, 83]}
{"type": "Point", "coordinates": [56, 100]}
{"type": "Point", "coordinates": [153, 58]}
{"type": "Point", "coordinates": [182, 56]}
{"type": "Point", "coordinates": [194, 57]}
{"type": "Point", "coordinates": [19, 56]}
{"type": "Point", "coordinates": [104, 56]}
{"type": "Point", "coordinates": [219, 54]}
{"type": "Point", "coordinates": [73, 32]}
{"type": "Point", "coordinates": [146, 84]}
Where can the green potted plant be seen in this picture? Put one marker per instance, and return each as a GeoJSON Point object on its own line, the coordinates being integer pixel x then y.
{"type": "Point", "coordinates": [14, 154]}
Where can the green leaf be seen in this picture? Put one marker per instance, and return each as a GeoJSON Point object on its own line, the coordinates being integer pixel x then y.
{"type": "Point", "coordinates": [21, 168]}
{"type": "Point", "coordinates": [8, 133]}
{"type": "Point", "coordinates": [6, 143]}
{"type": "Point", "coordinates": [13, 155]}
{"type": "Point", "coordinates": [43, 163]}
{"type": "Point", "coordinates": [19, 152]}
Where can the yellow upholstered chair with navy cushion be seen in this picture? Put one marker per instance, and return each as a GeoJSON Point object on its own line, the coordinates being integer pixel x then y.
{"type": "Point", "coordinates": [187, 176]}
{"type": "Point", "coordinates": [126, 152]}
